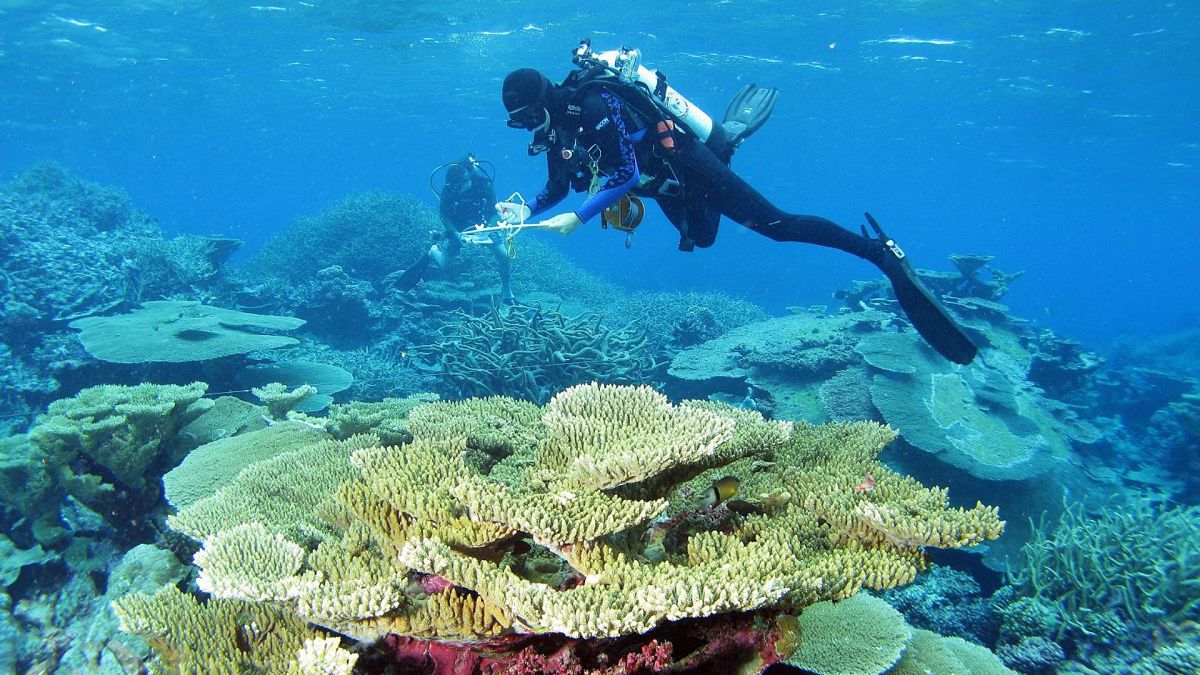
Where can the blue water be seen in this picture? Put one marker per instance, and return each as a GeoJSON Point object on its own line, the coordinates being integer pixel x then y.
{"type": "Point", "coordinates": [1063, 138]}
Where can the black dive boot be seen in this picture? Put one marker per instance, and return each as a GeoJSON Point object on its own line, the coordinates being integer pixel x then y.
{"type": "Point", "coordinates": [927, 315]}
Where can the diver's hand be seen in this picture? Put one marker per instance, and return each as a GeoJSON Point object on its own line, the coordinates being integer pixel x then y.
{"type": "Point", "coordinates": [563, 223]}
{"type": "Point", "coordinates": [513, 212]}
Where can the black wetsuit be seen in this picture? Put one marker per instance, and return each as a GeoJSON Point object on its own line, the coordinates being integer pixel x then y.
{"type": "Point", "coordinates": [599, 125]}
{"type": "Point", "coordinates": [604, 139]}
{"type": "Point", "coordinates": [467, 200]}
{"type": "Point", "coordinates": [465, 205]}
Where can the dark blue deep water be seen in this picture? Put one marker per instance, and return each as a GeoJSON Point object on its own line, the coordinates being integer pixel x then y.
{"type": "Point", "coordinates": [1061, 138]}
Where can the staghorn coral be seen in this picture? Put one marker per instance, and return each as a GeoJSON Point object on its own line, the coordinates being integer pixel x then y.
{"type": "Point", "coordinates": [529, 352]}
{"type": "Point", "coordinates": [1139, 561]}
{"type": "Point", "coordinates": [415, 541]}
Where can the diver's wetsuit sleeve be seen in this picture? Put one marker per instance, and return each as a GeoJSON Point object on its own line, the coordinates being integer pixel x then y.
{"type": "Point", "coordinates": [603, 123]}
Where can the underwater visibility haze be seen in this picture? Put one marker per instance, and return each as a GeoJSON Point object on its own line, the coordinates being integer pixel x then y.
{"type": "Point", "coordinates": [279, 392]}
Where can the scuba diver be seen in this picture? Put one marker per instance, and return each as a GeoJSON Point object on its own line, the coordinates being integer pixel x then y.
{"type": "Point", "coordinates": [616, 130]}
{"type": "Point", "coordinates": [465, 202]}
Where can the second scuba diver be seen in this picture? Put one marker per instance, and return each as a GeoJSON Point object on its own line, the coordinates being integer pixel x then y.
{"type": "Point", "coordinates": [613, 129]}
{"type": "Point", "coordinates": [466, 201]}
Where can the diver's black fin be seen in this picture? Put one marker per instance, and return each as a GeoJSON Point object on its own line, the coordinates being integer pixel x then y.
{"type": "Point", "coordinates": [412, 276]}
{"type": "Point", "coordinates": [927, 315]}
{"type": "Point", "coordinates": [748, 111]}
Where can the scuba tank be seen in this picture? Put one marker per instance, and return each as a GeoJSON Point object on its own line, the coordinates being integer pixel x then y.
{"type": "Point", "coordinates": [626, 65]}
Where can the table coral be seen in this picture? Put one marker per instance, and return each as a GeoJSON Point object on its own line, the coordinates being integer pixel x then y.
{"type": "Point", "coordinates": [109, 445]}
{"type": "Point", "coordinates": [178, 331]}
{"type": "Point", "coordinates": [981, 418]}
{"type": "Point", "coordinates": [413, 541]}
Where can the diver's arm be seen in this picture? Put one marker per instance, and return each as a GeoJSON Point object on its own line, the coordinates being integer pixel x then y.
{"type": "Point", "coordinates": [602, 112]}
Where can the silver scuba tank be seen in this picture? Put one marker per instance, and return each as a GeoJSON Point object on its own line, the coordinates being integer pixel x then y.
{"type": "Point", "coordinates": [627, 64]}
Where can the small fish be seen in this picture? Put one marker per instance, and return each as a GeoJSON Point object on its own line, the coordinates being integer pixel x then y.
{"type": "Point", "coordinates": [721, 490]}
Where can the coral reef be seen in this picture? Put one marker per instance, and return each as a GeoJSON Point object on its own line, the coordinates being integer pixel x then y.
{"type": "Point", "coordinates": [681, 320]}
{"type": "Point", "coordinates": [786, 357]}
{"type": "Point", "coordinates": [364, 235]}
{"type": "Point", "coordinates": [864, 635]}
{"type": "Point", "coordinates": [72, 249]}
{"type": "Point", "coordinates": [228, 636]}
{"type": "Point", "coordinates": [529, 352]}
{"type": "Point", "coordinates": [413, 541]}
{"type": "Point", "coordinates": [1108, 589]}
{"type": "Point", "coordinates": [387, 419]}
{"type": "Point", "coordinates": [861, 634]}
{"type": "Point", "coordinates": [324, 379]}
{"type": "Point", "coordinates": [947, 602]}
{"type": "Point", "coordinates": [109, 445]}
{"type": "Point", "coordinates": [1138, 561]}
{"type": "Point", "coordinates": [978, 417]}
{"type": "Point", "coordinates": [180, 331]}
{"type": "Point", "coordinates": [213, 465]}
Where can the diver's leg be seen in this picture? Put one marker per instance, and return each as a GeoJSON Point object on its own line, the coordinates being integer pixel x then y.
{"type": "Point", "coordinates": [736, 199]}
{"type": "Point", "coordinates": [411, 276]}
{"type": "Point", "coordinates": [676, 212]}
{"type": "Point", "coordinates": [692, 213]}
{"type": "Point", "coordinates": [703, 216]}
{"type": "Point", "coordinates": [504, 267]}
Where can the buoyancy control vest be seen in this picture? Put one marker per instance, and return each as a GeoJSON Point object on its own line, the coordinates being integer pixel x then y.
{"type": "Point", "coordinates": [651, 102]}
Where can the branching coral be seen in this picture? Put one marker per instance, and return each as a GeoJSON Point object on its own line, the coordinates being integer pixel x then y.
{"type": "Point", "coordinates": [223, 636]}
{"type": "Point", "coordinates": [387, 419]}
{"type": "Point", "coordinates": [1140, 561]}
{"type": "Point", "coordinates": [414, 540]}
{"type": "Point", "coordinates": [109, 445]}
{"type": "Point", "coordinates": [530, 352]}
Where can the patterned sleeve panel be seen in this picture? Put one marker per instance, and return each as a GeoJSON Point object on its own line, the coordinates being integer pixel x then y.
{"type": "Point", "coordinates": [618, 161]}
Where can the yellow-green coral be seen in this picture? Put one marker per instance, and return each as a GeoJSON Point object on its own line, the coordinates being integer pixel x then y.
{"type": "Point", "coordinates": [285, 493]}
{"type": "Point", "coordinates": [590, 494]}
{"type": "Point", "coordinates": [497, 425]}
{"type": "Point", "coordinates": [249, 563]}
{"type": "Point", "coordinates": [605, 436]}
{"type": "Point", "coordinates": [124, 429]}
{"type": "Point", "coordinates": [387, 419]}
{"type": "Point", "coordinates": [417, 479]}
{"type": "Point", "coordinates": [279, 399]}
{"type": "Point", "coordinates": [223, 636]}
{"type": "Point", "coordinates": [215, 464]}
{"type": "Point", "coordinates": [625, 597]}
{"type": "Point", "coordinates": [862, 635]}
